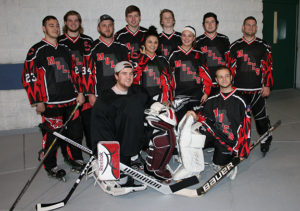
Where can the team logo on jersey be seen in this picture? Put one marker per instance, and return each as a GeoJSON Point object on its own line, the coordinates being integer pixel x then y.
{"type": "Point", "coordinates": [153, 77]}
{"type": "Point", "coordinates": [213, 56]}
{"type": "Point", "coordinates": [246, 58]}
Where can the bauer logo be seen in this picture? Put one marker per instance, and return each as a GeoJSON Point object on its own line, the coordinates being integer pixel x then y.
{"type": "Point", "coordinates": [217, 177]}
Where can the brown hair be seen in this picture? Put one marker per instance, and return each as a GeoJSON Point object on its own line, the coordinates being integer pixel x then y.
{"type": "Point", "coordinates": [132, 8]}
{"type": "Point", "coordinates": [72, 12]}
{"type": "Point", "coordinates": [164, 11]}
{"type": "Point", "coordinates": [49, 17]}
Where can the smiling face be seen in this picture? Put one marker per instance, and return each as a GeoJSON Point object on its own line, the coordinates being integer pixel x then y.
{"type": "Point", "coordinates": [167, 20]}
{"type": "Point", "coordinates": [124, 79]}
{"type": "Point", "coordinates": [151, 45]}
{"type": "Point", "coordinates": [72, 23]}
{"type": "Point", "coordinates": [133, 19]}
{"type": "Point", "coordinates": [187, 39]}
{"type": "Point", "coordinates": [51, 29]}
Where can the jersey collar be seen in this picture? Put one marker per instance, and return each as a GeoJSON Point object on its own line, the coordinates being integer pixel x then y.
{"type": "Point", "coordinates": [72, 40]}
{"type": "Point", "coordinates": [49, 43]}
{"type": "Point", "coordinates": [151, 57]}
{"type": "Point", "coordinates": [210, 37]}
{"type": "Point", "coordinates": [131, 32]}
{"type": "Point", "coordinates": [105, 43]}
{"type": "Point", "coordinates": [186, 52]}
{"type": "Point", "coordinates": [227, 96]}
{"type": "Point", "coordinates": [166, 35]}
{"type": "Point", "coordinates": [249, 42]}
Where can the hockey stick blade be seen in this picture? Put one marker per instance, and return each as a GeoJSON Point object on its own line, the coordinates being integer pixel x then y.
{"type": "Point", "coordinates": [217, 177]}
{"type": "Point", "coordinates": [57, 205]}
{"type": "Point", "coordinates": [165, 189]}
{"type": "Point", "coordinates": [42, 161]}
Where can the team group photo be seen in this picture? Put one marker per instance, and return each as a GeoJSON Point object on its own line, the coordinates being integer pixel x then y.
{"type": "Point", "coordinates": [182, 112]}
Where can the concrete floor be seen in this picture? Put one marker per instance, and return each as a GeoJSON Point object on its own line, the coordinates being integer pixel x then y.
{"type": "Point", "coordinates": [270, 183]}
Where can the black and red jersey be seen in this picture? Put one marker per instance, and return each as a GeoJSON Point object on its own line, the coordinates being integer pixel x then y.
{"type": "Point", "coordinates": [153, 73]}
{"type": "Point", "coordinates": [190, 72]}
{"type": "Point", "coordinates": [78, 45]}
{"type": "Point", "coordinates": [227, 118]}
{"type": "Point", "coordinates": [100, 63]}
{"type": "Point", "coordinates": [214, 49]}
{"type": "Point", "coordinates": [169, 42]}
{"type": "Point", "coordinates": [250, 64]}
{"type": "Point", "coordinates": [48, 74]}
{"type": "Point", "coordinates": [132, 40]}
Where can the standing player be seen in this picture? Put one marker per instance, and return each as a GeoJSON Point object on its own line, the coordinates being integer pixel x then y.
{"type": "Point", "coordinates": [226, 122]}
{"type": "Point", "coordinates": [49, 78]}
{"type": "Point", "coordinates": [100, 62]}
{"type": "Point", "coordinates": [250, 62]}
{"type": "Point", "coordinates": [169, 39]}
{"type": "Point", "coordinates": [214, 46]}
{"type": "Point", "coordinates": [79, 43]}
{"type": "Point", "coordinates": [153, 71]}
{"type": "Point", "coordinates": [189, 69]}
{"type": "Point", "coordinates": [133, 34]}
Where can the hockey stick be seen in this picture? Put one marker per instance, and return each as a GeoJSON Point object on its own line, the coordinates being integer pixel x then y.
{"type": "Point", "coordinates": [165, 189]}
{"type": "Point", "coordinates": [53, 206]}
{"type": "Point", "coordinates": [42, 161]}
{"type": "Point", "coordinates": [217, 177]}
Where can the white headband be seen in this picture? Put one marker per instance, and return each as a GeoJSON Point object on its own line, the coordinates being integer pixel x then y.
{"type": "Point", "coordinates": [188, 28]}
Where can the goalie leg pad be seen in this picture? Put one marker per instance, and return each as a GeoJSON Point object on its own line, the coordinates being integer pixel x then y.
{"type": "Point", "coordinates": [190, 144]}
{"type": "Point", "coordinates": [161, 150]}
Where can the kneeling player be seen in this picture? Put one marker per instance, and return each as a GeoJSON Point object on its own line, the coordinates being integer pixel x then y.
{"type": "Point", "coordinates": [226, 122]}
{"type": "Point", "coordinates": [118, 114]}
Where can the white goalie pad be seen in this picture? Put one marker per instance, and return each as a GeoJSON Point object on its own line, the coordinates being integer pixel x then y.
{"type": "Point", "coordinates": [108, 160]}
{"type": "Point", "coordinates": [190, 145]}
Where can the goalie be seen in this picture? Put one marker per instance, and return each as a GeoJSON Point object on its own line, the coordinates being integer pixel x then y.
{"type": "Point", "coordinates": [226, 123]}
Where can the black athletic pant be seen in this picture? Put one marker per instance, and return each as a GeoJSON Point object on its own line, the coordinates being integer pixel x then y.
{"type": "Point", "coordinates": [54, 118]}
{"type": "Point", "coordinates": [258, 110]}
{"type": "Point", "coordinates": [221, 155]}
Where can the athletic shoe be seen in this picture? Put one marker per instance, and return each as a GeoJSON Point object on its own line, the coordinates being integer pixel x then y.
{"type": "Point", "coordinates": [232, 174]}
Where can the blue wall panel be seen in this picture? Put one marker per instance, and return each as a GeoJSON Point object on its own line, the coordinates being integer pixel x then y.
{"type": "Point", "coordinates": [10, 76]}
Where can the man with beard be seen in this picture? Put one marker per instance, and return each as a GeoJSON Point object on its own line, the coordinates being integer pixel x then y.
{"type": "Point", "coordinates": [133, 34]}
{"type": "Point", "coordinates": [251, 64]}
{"type": "Point", "coordinates": [79, 43]}
{"type": "Point", "coordinates": [213, 45]}
{"type": "Point", "coordinates": [100, 61]}
{"type": "Point", "coordinates": [226, 122]}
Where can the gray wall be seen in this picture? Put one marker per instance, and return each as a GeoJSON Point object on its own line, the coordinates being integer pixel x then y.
{"type": "Point", "coordinates": [20, 23]}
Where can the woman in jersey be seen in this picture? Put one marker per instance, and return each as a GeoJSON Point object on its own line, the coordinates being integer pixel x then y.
{"type": "Point", "coordinates": [190, 71]}
{"type": "Point", "coordinates": [152, 71]}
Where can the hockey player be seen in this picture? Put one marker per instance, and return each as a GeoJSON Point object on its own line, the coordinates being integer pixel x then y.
{"type": "Point", "coordinates": [213, 45]}
{"type": "Point", "coordinates": [100, 62]}
{"type": "Point", "coordinates": [133, 34]}
{"type": "Point", "coordinates": [79, 43]}
{"type": "Point", "coordinates": [169, 39]}
{"type": "Point", "coordinates": [226, 122]}
{"type": "Point", "coordinates": [118, 115]}
{"type": "Point", "coordinates": [49, 78]}
{"type": "Point", "coordinates": [190, 71]}
{"type": "Point", "coordinates": [250, 62]}
{"type": "Point", "coordinates": [153, 72]}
